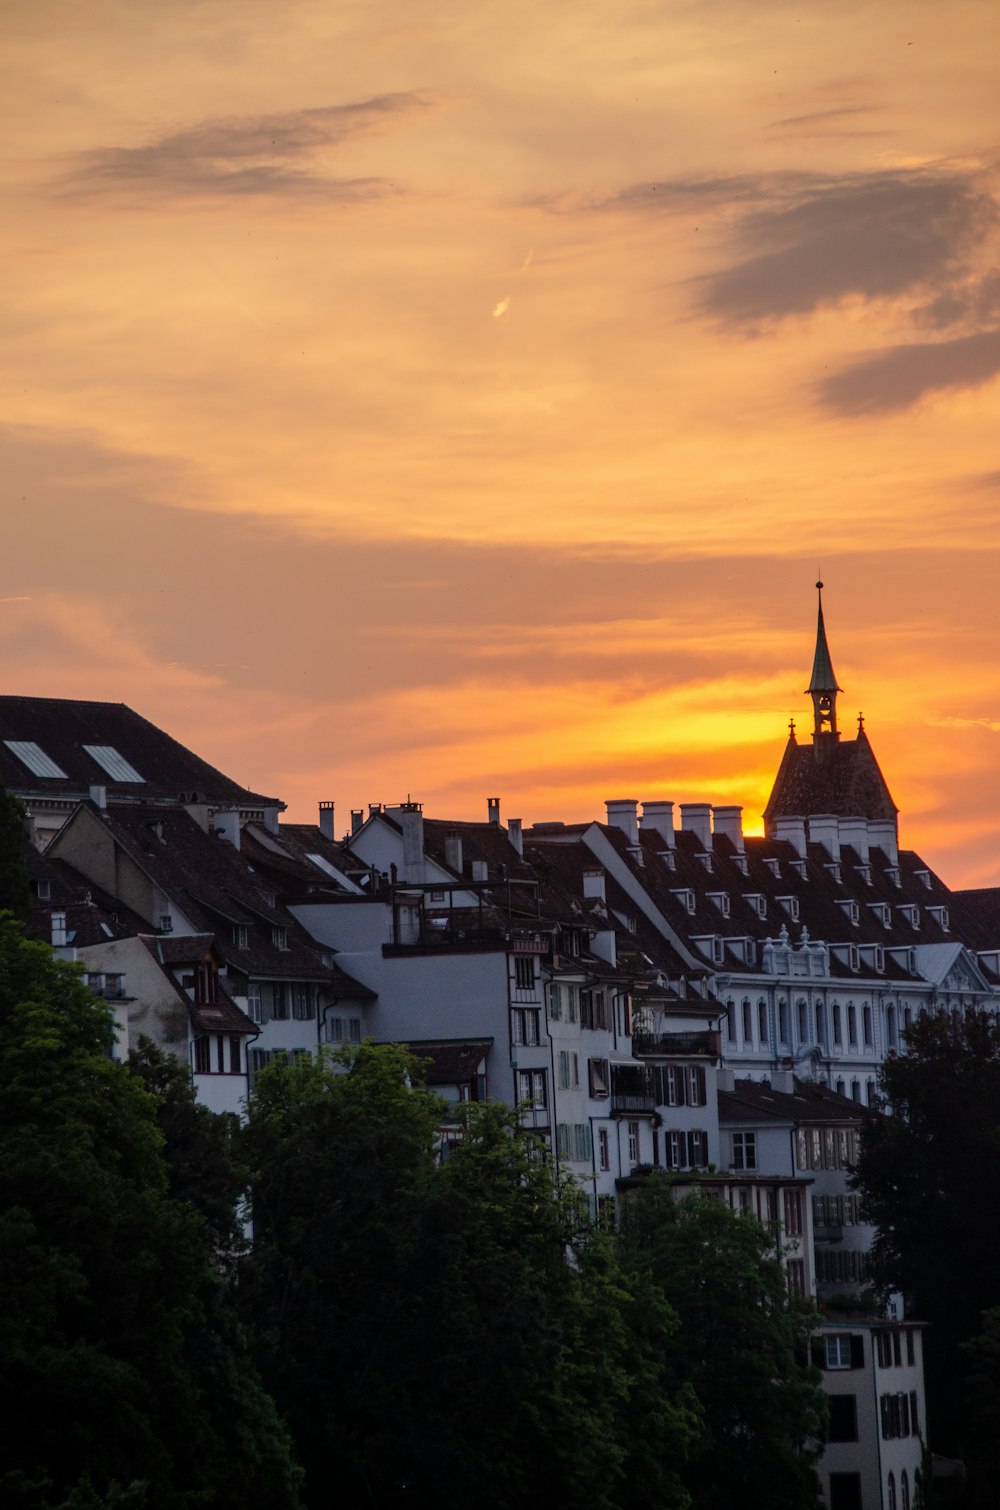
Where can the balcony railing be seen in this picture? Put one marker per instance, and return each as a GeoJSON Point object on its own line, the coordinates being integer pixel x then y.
{"type": "Point", "coordinates": [674, 1045]}
{"type": "Point", "coordinates": [632, 1090]}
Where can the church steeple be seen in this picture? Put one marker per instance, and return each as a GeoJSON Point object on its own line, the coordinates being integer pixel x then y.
{"type": "Point", "coordinates": [822, 686]}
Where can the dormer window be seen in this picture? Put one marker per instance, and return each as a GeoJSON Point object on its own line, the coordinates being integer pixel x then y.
{"type": "Point", "coordinates": [741, 862]}
{"type": "Point", "coordinates": [799, 867]}
{"type": "Point", "coordinates": [686, 899]}
{"type": "Point", "coordinates": [882, 912]}
{"type": "Point", "coordinates": [911, 914]}
{"type": "Point", "coordinates": [865, 872]}
{"type": "Point", "coordinates": [791, 906]}
{"type": "Point", "coordinates": [758, 902]}
{"type": "Point", "coordinates": [669, 858]}
{"type": "Point", "coordinates": [279, 938]}
{"type": "Point", "coordinates": [241, 935]}
{"type": "Point", "coordinates": [833, 870]}
{"type": "Point", "coordinates": [773, 866]}
{"type": "Point", "coordinates": [892, 875]}
{"type": "Point", "coordinates": [942, 917]}
{"type": "Point", "coordinates": [850, 909]}
{"type": "Point", "coordinates": [706, 860]}
{"type": "Point", "coordinates": [721, 900]}
{"type": "Point", "coordinates": [924, 876]}
{"type": "Point", "coordinates": [854, 957]}
{"type": "Point", "coordinates": [879, 959]}
{"type": "Point", "coordinates": [43, 890]}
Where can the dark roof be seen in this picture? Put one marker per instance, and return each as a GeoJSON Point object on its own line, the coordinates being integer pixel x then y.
{"type": "Point", "coordinates": [830, 776]}
{"type": "Point", "coordinates": [480, 841]}
{"type": "Point", "coordinates": [808, 1103]}
{"type": "Point", "coordinates": [451, 1062]}
{"type": "Point", "coordinates": [61, 727]}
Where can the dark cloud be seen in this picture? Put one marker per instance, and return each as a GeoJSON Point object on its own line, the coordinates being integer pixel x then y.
{"type": "Point", "coordinates": [681, 194]}
{"type": "Point", "coordinates": [242, 155]}
{"type": "Point", "coordinates": [897, 378]}
{"type": "Point", "coordinates": [875, 236]}
{"type": "Point", "coordinates": [977, 302]}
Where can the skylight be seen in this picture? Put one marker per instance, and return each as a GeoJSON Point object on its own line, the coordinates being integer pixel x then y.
{"type": "Point", "coordinates": [116, 765]}
{"type": "Point", "coordinates": [322, 863]}
{"type": "Point", "coordinates": [35, 758]}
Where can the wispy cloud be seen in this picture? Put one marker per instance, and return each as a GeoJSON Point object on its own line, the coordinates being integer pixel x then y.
{"type": "Point", "coordinates": [242, 155]}
{"type": "Point", "coordinates": [834, 122]}
{"type": "Point", "coordinates": [875, 236]}
{"type": "Point", "coordinates": [898, 377]}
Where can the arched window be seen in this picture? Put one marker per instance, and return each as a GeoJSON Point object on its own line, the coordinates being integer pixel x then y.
{"type": "Point", "coordinates": [840, 1088]}
{"type": "Point", "coordinates": [852, 1026]}
{"type": "Point", "coordinates": [762, 1020]}
{"type": "Point", "coordinates": [837, 1033]}
{"type": "Point", "coordinates": [820, 1023]}
{"type": "Point", "coordinates": [855, 1090]}
{"type": "Point", "coordinates": [870, 1092]}
{"type": "Point", "coordinates": [904, 1490]}
{"type": "Point", "coordinates": [892, 1491]}
{"type": "Point", "coordinates": [783, 1021]}
{"type": "Point", "coordinates": [866, 1021]}
{"type": "Point", "coordinates": [747, 1015]}
{"type": "Point", "coordinates": [907, 1017]}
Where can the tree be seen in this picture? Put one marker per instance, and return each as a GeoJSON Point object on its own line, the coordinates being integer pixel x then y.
{"type": "Point", "coordinates": [927, 1174]}
{"type": "Point", "coordinates": [15, 892]}
{"type": "Point", "coordinates": [736, 1345]}
{"type": "Point", "coordinates": [124, 1383]}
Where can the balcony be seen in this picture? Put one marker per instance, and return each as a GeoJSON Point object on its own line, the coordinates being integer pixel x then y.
{"type": "Point", "coordinates": [829, 1234]}
{"type": "Point", "coordinates": [632, 1091]}
{"type": "Point", "coordinates": [706, 1045]}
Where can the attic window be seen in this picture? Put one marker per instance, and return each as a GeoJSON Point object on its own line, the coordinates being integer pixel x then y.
{"type": "Point", "coordinates": [115, 765]}
{"type": "Point", "coordinates": [773, 866]}
{"type": "Point", "coordinates": [833, 867]}
{"type": "Point", "coordinates": [791, 906]}
{"type": "Point", "coordinates": [686, 899]}
{"type": "Point", "coordinates": [924, 876]}
{"type": "Point", "coordinates": [35, 758]}
{"type": "Point", "coordinates": [721, 900]}
{"type": "Point", "coordinates": [43, 890]}
{"type": "Point", "coordinates": [865, 872]}
{"type": "Point", "coordinates": [758, 902]}
{"type": "Point", "coordinates": [706, 860]}
{"type": "Point", "coordinates": [883, 912]}
{"type": "Point", "coordinates": [849, 908]}
{"type": "Point", "coordinates": [941, 917]}
{"type": "Point", "coordinates": [799, 867]}
{"type": "Point", "coordinates": [911, 914]}
{"type": "Point", "coordinates": [892, 874]}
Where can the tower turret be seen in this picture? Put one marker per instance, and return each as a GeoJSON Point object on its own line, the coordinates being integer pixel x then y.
{"type": "Point", "coordinates": [822, 686]}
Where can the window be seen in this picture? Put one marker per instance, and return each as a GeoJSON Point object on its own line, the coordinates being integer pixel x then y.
{"type": "Point", "coordinates": [762, 1021]}
{"type": "Point", "coordinates": [697, 1149]}
{"type": "Point", "coordinates": [843, 1418]}
{"type": "Point", "coordinates": [562, 1139]}
{"type": "Point", "coordinates": [279, 938]}
{"type": "Point", "coordinates": [891, 1032]}
{"type": "Point", "coordinates": [783, 1032]}
{"type": "Point", "coordinates": [845, 1491]}
{"type": "Point", "coordinates": [747, 1015]}
{"type": "Point", "coordinates": [633, 1143]}
{"type": "Point", "coordinates": [569, 1070]}
{"type": "Point", "coordinates": [531, 1088]}
{"type": "Point", "coordinates": [254, 1008]}
{"type": "Point", "coordinates": [852, 1025]}
{"type": "Point", "coordinates": [904, 1491]}
{"type": "Point", "coordinates": [202, 1056]}
{"type": "Point", "coordinates": [866, 1022]}
{"type": "Point", "coordinates": [279, 1000]}
{"type": "Point", "coordinates": [524, 973]}
{"type": "Point", "coordinates": [555, 1002]}
{"type": "Point", "coordinates": [525, 1026]}
{"type": "Point", "coordinates": [744, 1150]}
{"type": "Point", "coordinates": [696, 1092]}
{"type": "Point", "coordinates": [603, 1148]}
{"type": "Point", "coordinates": [599, 1078]}
{"type": "Point", "coordinates": [803, 1022]}
{"type": "Point", "coordinates": [892, 1492]}
{"type": "Point", "coordinates": [672, 1085]}
{"type": "Point", "coordinates": [820, 1023]}
{"type": "Point", "coordinates": [838, 1350]}
{"type": "Point", "coordinates": [791, 906]}
{"type": "Point", "coordinates": [343, 1029]}
{"type": "Point", "coordinates": [731, 1021]}
{"type": "Point", "coordinates": [240, 935]}
{"type": "Point", "coordinates": [302, 1003]}
{"type": "Point", "coordinates": [793, 1213]}
{"type": "Point", "coordinates": [796, 1271]}
{"type": "Point", "coordinates": [571, 1004]}
{"type": "Point", "coordinates": [235, 1065]}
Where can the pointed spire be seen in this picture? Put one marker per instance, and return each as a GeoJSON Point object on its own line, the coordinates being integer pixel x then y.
{"type": "Point", "coordinates": [823, 686]}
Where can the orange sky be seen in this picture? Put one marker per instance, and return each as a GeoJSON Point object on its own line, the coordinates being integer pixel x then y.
{"type": "Point", "coordinates": [457, 399]}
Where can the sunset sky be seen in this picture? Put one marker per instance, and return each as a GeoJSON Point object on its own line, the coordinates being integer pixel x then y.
{"type": "Point", "coordinates": [447, 399]}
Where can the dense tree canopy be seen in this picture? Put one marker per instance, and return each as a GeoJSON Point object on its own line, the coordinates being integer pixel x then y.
{"type": "Point", "coordinates": [118, 1362]}
{"type": "Point", "coordinates": [928, 1177]}
{"type": "Point", "coordinates": [736, 1345]}
{"type": "Point", "coordinates": [15, 893]}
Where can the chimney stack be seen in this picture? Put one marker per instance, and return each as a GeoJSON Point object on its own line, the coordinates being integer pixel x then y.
{"type": "Point", "coordinates": [453, 853]}
{"type": "Point", "coordinates": [728, 821]}
{"type": "Point", "coordinates": [623, 814]}
{"type": "Point", "coordinates": [480, 870]}
{"type": "Point", "coordinates": [327, 826]}
{"type": "Point", "coordinates": [854, 831]}
{"type": "Point", "coordinates": [271, 819]}
{"type": "Point", "coordinates": [793, 832]}
{"type": "Point", "coordinates": [411, 818]}
{"type": "Point", "coordinates": [824, 828]}
{"type": "Point", "coordinates": [357, 819]}
{"type": "Point", "coordinates": [227, 825]}
{"type": "Point", "coordinates": [696, 818]}
{"type": "Point", "coordinates": [493, 809]}
{"type": "Point", "coordinates": [593, 884]}
{"type": "Point", "coordinates": [516, 836]}
{"type": "Point", "coordinates": [660, 816]}
{"type": "Point", "coordinates": [882, 835]}
{"type": "Point", "coordinates": [99, 796]}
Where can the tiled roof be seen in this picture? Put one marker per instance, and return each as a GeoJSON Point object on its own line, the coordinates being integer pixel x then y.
{"type": "Point", "coordinates": [809, 1103]}
{"type": "Point", "coordinates": [450, 1062]}
{"type": "Point", "coordinates": [834, 776]}
{"type": "Point", "coordinates": [62, 727]}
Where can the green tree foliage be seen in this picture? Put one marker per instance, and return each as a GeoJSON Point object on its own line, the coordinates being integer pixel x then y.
{"type": "Point", "coordinates": [15, 892]}
{"type": "Point", "coordinates": [124, 1384]}
{"type": "Point", "coordinates": [442, 1333]}
{"type": "Point", "coordinates": [763, 1413]}
{"type": "Point", "coordinates": [921, 1172]}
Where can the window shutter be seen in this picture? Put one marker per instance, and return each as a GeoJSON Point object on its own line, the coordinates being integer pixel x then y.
{"type": "Point", "coordinates": [857, 1352]}
{"type": "Point", "coordinates": [699, 1075]}
{"type": "Point", "coordinates": [818, 1352]}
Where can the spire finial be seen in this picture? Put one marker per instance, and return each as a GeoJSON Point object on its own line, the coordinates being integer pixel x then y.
{"type": "Point", "coordinates": [791, 728]}
{"type": "Point", "coordinates": [861, 722]}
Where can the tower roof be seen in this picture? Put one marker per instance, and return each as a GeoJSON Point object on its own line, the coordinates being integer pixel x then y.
{"type": "Point", "coordinates": [823, 678]}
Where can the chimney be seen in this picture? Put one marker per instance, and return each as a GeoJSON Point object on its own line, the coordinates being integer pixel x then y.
{"type": "Point", "coordinates": [271, 819]}
{"type": "Point", "coordinates": [882, 835]}
{"type": "Point", "coordinates": [58, 926]}
{"type": "Point", "coordinates": [99, 796]}
{"type": "Point", "coordinates": [480, 870]}
{"type": "Point", "coordinates": [660, 816]}
{"type": "Point", "coordinates": [824, 829]}
{"type": "Point", "coordinates": [793, 832]}
{"type": "Point", "coordinates": [622, 813]}
{"type": "Point", "coordinates": [728, 821]}
{"type": "Point", "coordinates": [411, 818]}
{"type": "Point", "coordinates": [854, 831]}
{"type": "Point", "coordinates": [227, 825]}
{"type": "Point", "coordinates": [493, 809]}
{"type": "Point", "coordinates": [696, 818]}
{"type": "Point", "coordinates": [453, 853]}
{"type": "Point", "coordinates": [783, 1081]}
{"type": "Point", "coordinates": [593, 884]}
{"type": "Point", "coordinates": [515, 835]}
{"type": "Point", "coordinates": [374, 809]}
{"type": "Point", "coordinates": [327, 826]}
{"type": "Point", "coordinates": [357, 819]}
